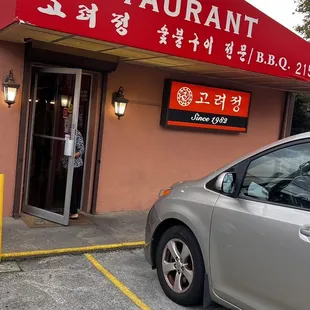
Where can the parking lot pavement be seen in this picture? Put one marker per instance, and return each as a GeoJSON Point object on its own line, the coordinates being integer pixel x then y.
{"type": "Point", "coordinates": [131, 268]}
{"type": "Point", "coordinates": [67, 282]}
{"type": "Point", "coordinates": [73, 282]}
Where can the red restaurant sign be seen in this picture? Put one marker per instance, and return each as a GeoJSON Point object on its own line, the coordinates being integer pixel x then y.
{"type": "Point", "coordinates": [228, 33]}
{"type": "Point", "coordinates": [197, 106]}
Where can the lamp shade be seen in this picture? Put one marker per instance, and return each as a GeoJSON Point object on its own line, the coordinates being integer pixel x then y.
{"type": "Point", "coordinates": [65, 100]}
{"type": "Point", "coordinates": [120, 107]}
{"type": "Point", "coordinates": [119, 103]}
{"type": "Point", "coordinates": [10, 89]}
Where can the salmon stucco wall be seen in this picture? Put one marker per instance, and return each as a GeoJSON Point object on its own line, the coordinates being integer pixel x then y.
{"type": "Point", "coordinates": [11, 57]}
{"type": "Point", "coordinates": [139, 157]}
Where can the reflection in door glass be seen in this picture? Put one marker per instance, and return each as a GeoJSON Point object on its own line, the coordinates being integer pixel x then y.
{"type": "Point", "coordinates": [47, 186]}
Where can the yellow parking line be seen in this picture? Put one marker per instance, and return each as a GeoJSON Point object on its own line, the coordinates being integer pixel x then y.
{"type": "Point", "coordinates": [118, 284]}
{"type": "Point", "coordinates": [8, 256]}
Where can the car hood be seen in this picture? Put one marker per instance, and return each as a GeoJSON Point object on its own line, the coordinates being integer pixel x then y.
{"type": "Point", "coordinates": [194, 183]}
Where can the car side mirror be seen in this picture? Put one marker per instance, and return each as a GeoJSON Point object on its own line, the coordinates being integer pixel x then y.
{"type": "Point", "coordinates": [226, 183]}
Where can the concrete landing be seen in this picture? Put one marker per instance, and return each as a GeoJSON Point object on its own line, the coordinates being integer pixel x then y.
{"type": "Point", "coordinates": [111, 228]}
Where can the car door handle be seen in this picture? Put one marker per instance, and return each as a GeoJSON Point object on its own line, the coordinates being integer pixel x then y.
{"type": "Point", "coordinates": [305, 232]}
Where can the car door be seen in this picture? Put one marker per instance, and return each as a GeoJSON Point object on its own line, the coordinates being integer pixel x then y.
{"type": "Point", "coordinates": [260, 239]}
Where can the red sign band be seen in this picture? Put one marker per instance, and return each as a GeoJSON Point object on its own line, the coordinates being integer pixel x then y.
{"type": "Point", "coordinates": [227, 33]}
{"type": "Point", "coordinates": [197, 106]}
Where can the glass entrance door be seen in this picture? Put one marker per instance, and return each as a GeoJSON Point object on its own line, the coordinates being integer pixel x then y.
{"type": "Point", "coordinates": [54, 120]}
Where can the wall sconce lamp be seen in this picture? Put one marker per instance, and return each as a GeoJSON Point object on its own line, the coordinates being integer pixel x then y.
{"type": "Point", "coordinates": [65, 101]}
{"type": "Point", "coordinates": [119, 102]}
{"type": "Point", "coordinates": [10, 88]}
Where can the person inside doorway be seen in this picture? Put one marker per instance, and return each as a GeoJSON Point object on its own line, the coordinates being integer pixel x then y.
{"type": "Point", "coordinates": [77, 173]}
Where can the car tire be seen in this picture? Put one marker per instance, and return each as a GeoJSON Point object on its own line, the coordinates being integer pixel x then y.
{"type": "Point", "coordinates": [186, 294]}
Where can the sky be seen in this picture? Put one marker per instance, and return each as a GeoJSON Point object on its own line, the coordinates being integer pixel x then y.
{"type": "Point", "coordinates": [280, 10]}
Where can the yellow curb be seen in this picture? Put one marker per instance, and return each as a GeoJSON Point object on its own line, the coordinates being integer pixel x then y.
{"type": "Point", "coordinates": [76, 250]}
{"type": "Point", "coordinates": [122, 287]}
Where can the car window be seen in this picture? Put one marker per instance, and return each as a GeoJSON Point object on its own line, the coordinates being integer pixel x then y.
{"type": "Point", "coordinates": [282, 176]}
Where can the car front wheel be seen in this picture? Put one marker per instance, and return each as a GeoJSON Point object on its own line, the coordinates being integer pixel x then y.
{"type": "Point", "coordinates": [180, 266]}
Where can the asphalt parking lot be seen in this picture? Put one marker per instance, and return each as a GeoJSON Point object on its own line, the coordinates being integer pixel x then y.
{"type": "Point", "coordinates": [74, 282]}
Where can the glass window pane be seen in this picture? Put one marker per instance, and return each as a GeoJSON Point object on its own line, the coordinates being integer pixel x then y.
{"type": "Point", "coordinates": [301, 114]}
{"type": "Point", "coordinates": [51, 113]}
{"type": "Point", "coordinates": [281, 177]}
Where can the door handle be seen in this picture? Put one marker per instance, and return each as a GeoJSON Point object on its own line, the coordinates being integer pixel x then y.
{"type": "Point", "coordinates": [305, 231]}
{"type": "Point", "coordinates": [69, 148]}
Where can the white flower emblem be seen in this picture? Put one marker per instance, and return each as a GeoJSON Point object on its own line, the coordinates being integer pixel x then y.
{"type": "Point", "coordinates": [184, 96]}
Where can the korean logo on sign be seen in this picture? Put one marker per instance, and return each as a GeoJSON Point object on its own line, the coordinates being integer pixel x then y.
{"type": "Point", "coordinates": [184, 96]}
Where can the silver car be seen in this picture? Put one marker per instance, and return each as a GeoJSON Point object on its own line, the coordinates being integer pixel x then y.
{"type": "Point", "coordinates": [240, 236]}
